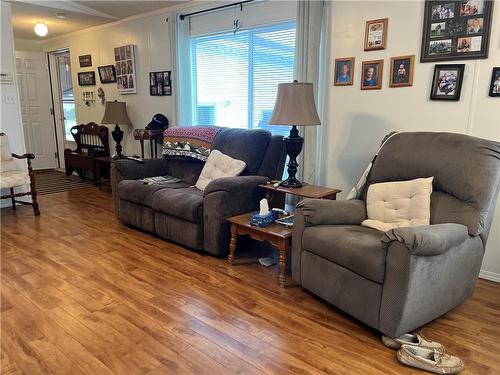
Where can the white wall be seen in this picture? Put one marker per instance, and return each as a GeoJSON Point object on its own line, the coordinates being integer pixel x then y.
{"type": "Point", "coordinates": [27, 45]}
{"type": "Point", "coordinates": [358, 120]}
{"type": "Point", "coordinates": [10, 113]}
{"type": "Point", "coordinates": [151, 38]}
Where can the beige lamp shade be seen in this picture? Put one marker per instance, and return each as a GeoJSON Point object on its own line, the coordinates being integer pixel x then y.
{"type": "Point", "coordinates": [295, 105]}
{"type": "Point", "coordinates": [116, 113]}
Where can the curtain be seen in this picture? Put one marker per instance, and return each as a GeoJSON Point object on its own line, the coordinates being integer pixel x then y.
{"type": "Point", "coordinates": [182, 91]}
{"type": "Point", "coordinates": [312, 17]}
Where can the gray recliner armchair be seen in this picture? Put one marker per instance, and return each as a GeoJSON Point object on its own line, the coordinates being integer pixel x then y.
{"type": "Point", "coordinates": [401, 279]}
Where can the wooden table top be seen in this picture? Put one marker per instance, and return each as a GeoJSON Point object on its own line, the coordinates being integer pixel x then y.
{"type": "Point", "coordinates": [306, 191]}
{"type": "Point", "coordinates": [274, 229]}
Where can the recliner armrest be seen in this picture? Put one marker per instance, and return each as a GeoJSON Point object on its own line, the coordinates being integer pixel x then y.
{"type": "Point", "coordinates": [133, 170]}
{"type": "Point", "coordinates": [332, 212]}
{"type": "Point", "coordinates": [427, 240]}
{"type": "Point", "coordinates": [235, 184]}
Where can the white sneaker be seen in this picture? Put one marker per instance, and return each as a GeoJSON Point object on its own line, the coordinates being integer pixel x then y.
{"type": "Point", "coordinates": [412, 340]}
{"type": "Point", "coordinates": [429, 360]}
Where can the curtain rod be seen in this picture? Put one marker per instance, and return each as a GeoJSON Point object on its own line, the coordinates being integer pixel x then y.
{"type": "Point", "coordinates": [240, 3]}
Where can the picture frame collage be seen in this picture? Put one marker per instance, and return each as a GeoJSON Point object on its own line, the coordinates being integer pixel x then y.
{"type": "Point", "coordinates": [125, 69]}
{"type": "Point", "coordinates": [464, 24]}
{"type": "Point", "coordinates": [160, 83]}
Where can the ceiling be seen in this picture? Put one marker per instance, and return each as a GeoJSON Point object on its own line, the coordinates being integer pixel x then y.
{"type": "Point", "coordinates": [79, 14]}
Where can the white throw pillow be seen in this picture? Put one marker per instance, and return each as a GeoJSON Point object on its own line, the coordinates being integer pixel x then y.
{"type": "Point", "coordinates": [398, 204]}
{"type": "Point", "coordinates": [219, 165]}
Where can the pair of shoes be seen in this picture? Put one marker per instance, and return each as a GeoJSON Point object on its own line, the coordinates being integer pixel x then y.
{"type": "Point", "coordinates": [416, 351]}
{"type": "Point", "coordinates": [412, 340]}
{"type": "Point", "coordinates": [429, 360]}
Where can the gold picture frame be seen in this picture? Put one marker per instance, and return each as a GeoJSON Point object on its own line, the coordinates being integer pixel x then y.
{"type": "Point", "coordinates": [402, 71]}
{"type": "Point", "coordinates": [371, 74]}
{"type": "Point", "coordinates": [376, 34]}
{"type": "Point", "coordinates": [339, 79]}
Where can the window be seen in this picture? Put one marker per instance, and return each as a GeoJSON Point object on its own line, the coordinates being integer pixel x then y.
{"type": "Point", "coordinates": [236, 76]}
{"type": "Point", "coordinates": [66, 89]}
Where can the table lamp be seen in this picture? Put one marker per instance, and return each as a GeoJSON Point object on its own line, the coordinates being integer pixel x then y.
{"type": "Point", "coordinates": [116, 113]}
{"type": "Point", "coordinates": [294, 106]}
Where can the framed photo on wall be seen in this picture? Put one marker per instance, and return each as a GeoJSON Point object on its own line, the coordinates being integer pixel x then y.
{"type": "Point", "coordinates": [495, 82]}
{"type": "Point", "coordinates": [456, 30]}
{"type": "Point", "coordinates": [376, 34]}
{"type": "Point", "coordinates": [402, 71]}
{"type": "Point", "coordinates": [125, 69]}
{"type": "Point", "coordinates": [447, 82]}
{"type": "Point", "coordinates": [344, 71]}
{"type": "Point", "coordinates": [107, 73]}
{"type": "Point", "coordinates": [371, 74]}
{"type": "Point", "coordinates": [160, 83]}
{"type": "Point", "coordinates": [85, 61]}
{"type": "Point", "coordinates": [86, 78]}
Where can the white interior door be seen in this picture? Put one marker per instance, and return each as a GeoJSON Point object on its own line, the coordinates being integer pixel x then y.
{"type": "Point", "coordinates": [34, 95]}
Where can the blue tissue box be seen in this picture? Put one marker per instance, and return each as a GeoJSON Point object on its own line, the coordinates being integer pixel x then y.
{"type": "Point", "coordinates": [264, 220]}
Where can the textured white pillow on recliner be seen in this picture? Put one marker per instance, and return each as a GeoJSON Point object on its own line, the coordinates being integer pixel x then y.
{"type": "Point", "coordinates": [219, 165]}
{"type": "Point", "coordinates": [398, 204]}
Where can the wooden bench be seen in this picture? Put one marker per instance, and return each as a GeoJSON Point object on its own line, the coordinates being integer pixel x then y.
{"type": "Point", "coordinates": [92, 141]}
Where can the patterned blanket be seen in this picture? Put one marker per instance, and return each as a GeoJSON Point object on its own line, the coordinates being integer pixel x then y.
{"type": "Point", "coordinates": [193, 141]}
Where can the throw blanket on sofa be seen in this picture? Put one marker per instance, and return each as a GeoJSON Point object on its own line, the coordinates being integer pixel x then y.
{"type": "Point", "coordinates": [193, 141]}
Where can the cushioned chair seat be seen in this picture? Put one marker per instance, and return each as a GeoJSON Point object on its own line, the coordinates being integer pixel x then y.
{"type": "Point", "coordinates": [185, 203]}
{"type": "Point", "coordinates": [138, 192]}
{"type": "Point", "coordinates": [11, 179]}
{"type": "Point", "coordinates": [356, 248]}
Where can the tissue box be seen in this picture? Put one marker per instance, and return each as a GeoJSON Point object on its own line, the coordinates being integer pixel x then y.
{"type": "Point", "coordinates": [264, 220]}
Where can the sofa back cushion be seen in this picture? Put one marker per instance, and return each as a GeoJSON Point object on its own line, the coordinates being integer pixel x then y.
{"type": "Point", "coordinates": [466, 174]}
{"type": "Point", "coordinates": [247, 145]}
{"type": "Point", "coordinates": [187, 169]}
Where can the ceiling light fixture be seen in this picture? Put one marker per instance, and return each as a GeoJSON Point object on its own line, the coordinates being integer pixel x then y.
{"type": "Point", "coordinates": [41, 29]}
{"type": "Point", "coordinates": [61, 16]}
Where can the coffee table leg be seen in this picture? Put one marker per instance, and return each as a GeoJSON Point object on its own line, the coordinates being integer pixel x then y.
{"type": "Point", "coordinates": [282, 263]}
{"type": "Point", "coordinates": [232, 243]}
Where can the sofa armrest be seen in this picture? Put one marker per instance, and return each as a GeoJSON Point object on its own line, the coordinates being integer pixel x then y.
{"type": "Point", "coordinates": [427, 240]}
{"type": "Point", "coordinates": [133, 170]}
{"type": "Point", "coordinates": [332, 212]}
{"type": "Point", "coordinates": [235, 184]}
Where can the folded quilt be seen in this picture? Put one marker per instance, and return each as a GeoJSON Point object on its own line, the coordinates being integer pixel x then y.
{"type": "Point", "coordinates": [193, 141]}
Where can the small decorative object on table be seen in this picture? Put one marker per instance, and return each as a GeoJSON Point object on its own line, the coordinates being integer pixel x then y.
{"type": "Point", "coordinates": [264, 217]}
{"type": "Point", "coordinates": [294, 106]}
{"type": "Point", "coordinates": [116, 113]}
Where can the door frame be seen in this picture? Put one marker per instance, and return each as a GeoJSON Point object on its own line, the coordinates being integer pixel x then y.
{"type": "Point", "coordinates": [57, 106]}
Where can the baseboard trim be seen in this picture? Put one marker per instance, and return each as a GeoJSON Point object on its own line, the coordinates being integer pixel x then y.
{"type": "Point", "coordinates": [492, 276]}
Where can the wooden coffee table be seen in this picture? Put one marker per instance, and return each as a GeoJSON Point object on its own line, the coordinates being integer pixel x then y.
{"type": "Point", "coordinates": [277, 235]}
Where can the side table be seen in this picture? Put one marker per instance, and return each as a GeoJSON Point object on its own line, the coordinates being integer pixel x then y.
{"type": "Point", "coordinates": [278, 235]}
{"type": "Point", "coordinates": [103, 169]}
{"type": "Point", "coordinates": [276, 195]}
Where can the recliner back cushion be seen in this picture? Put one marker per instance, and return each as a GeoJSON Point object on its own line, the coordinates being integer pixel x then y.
{"type": "Point", "coordinates": [247, 145]}
{"type": "Point", "coordinates": [466, 173]}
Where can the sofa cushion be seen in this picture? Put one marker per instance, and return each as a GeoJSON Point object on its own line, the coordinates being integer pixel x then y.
{"type": "Point", "coordinates": [219, 165]}
{"type": "Point", "coordinates": [185, 203]}
{"type": "Point", "coordinates": [354, 247]}
{"type": "Point", "coordinates": [399, 204]}
{"type": "Point", "coordinates": [138, 192]}
{"type": "Point", "coordinates": [243, 144]}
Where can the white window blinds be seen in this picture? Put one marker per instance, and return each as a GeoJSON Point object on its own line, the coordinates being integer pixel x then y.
{"type": "Point", "coordinates": [236, 75]}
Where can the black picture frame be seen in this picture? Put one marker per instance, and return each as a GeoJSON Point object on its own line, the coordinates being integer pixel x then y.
{"type": "Point", "coordinates": [107, 73]}
{"type": "Point", "coordinates": [447, 82]}
{"type": "Point", "coordinates": [86, 78]}
{"type": "Point", "coordinates": [85, 61]}
{"type": "Point", "coordinates": [160, 83]}
{"type": "Point", "coordinates": [450, 31]}
{"type": "Point", "coordinates": [495, 82]}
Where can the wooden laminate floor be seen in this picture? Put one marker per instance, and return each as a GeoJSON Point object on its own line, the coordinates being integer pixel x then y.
{"type": "Point", "coordinates": [83, 294]}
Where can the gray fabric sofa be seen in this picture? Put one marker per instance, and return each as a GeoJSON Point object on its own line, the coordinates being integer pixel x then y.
{"type": "Point", "coordinates": [183, 214]}
{"type": "Point", "coordinates": [401, 279]}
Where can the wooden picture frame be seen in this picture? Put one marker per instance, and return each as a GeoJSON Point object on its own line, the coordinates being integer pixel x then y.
{"type": "Point", "coordinates": [340, 78]}
{"type": "Point", "coordinates": [495, 82]}
{"type": "Point", "coordinates": [447, 82]}
{"type": "Point", "coordinates": [85, 61]}
{"type": "Point", "coordinates": [402, 71]}
{"type": "Point", "coordinates": [376, 34]}
{"type": "Point", "coordinates": [107, 73]}
{"type": "Point", "coordinates": [371, 74]}
{"type": "Point", "coordinates": [86, 78]}
{"type": "Point", "coordinates": [456, 30]}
